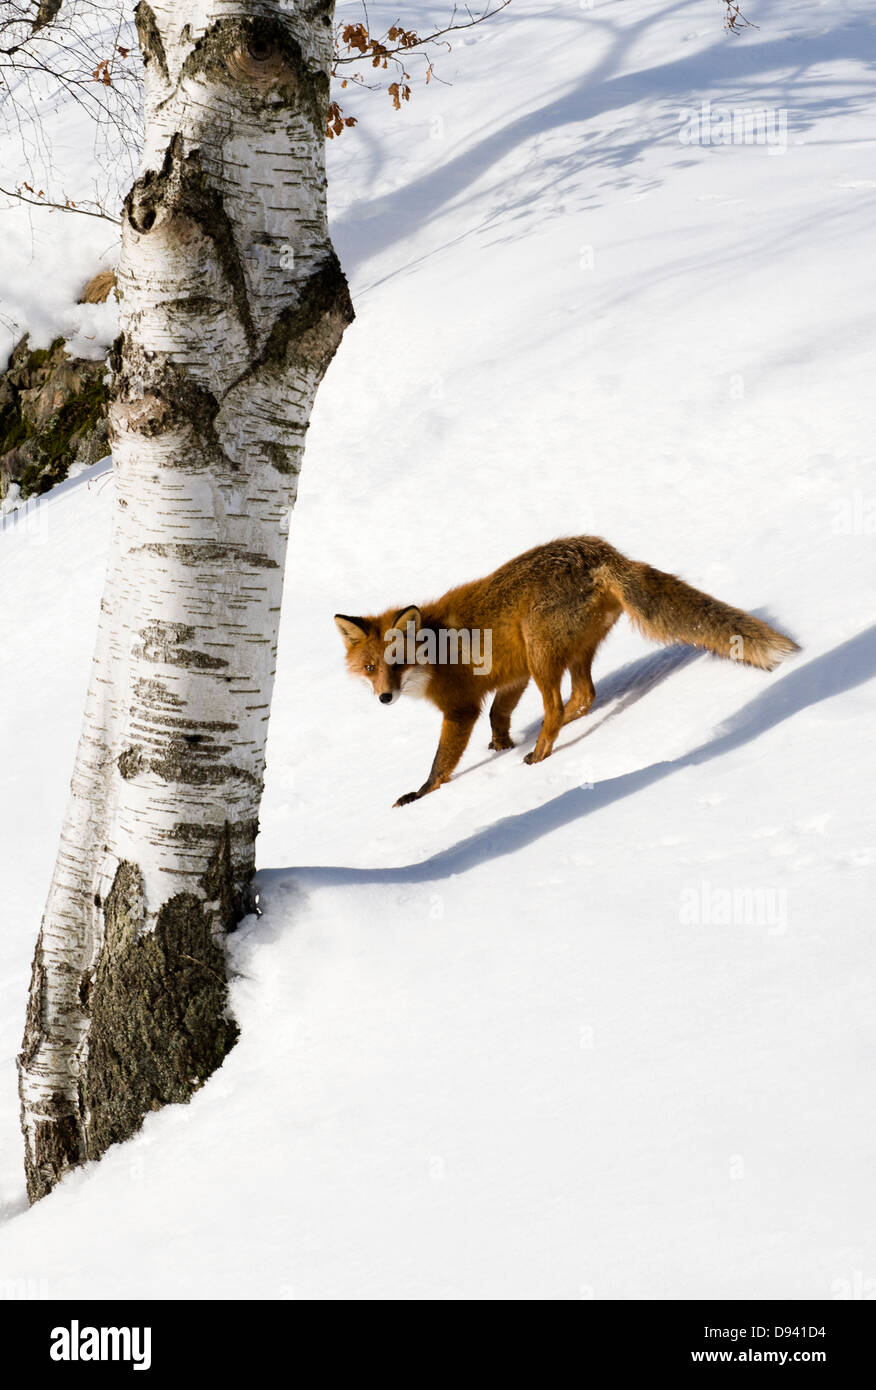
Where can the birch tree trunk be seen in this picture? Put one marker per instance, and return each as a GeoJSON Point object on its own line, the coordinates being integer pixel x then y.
{"type": "Point", "coordinates": [232, 305]}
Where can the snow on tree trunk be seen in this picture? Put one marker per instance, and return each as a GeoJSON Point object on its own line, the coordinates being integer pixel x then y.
{"type": "Point", "coordinates": [232, 306]}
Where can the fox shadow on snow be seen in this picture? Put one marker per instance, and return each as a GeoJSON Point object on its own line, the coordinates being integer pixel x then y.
{"type": "Point", "coordinates": [848, 665]}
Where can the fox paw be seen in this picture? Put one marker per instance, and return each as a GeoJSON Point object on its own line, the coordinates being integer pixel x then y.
{"type": "Point", "coordinates": [499, 742]}
{"type": "Point", "coordinates": [534, 757]}
{"type": "Point", "coordinates": [407, 799]}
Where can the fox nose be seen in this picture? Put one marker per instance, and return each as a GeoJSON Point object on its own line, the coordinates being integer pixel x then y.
{"type": "Point", "coordinates": [386, 697]}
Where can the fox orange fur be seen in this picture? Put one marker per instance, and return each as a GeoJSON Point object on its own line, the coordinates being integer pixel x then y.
{"type": "Point", "coordinates": [547, 612]}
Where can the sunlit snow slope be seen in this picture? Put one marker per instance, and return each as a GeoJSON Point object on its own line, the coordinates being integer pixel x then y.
{"type": "Point", "coordinates": [602, 1027]}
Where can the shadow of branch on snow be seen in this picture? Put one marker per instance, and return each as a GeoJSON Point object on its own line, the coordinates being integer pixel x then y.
{"type": "Point", "coordinates": [783, 69]}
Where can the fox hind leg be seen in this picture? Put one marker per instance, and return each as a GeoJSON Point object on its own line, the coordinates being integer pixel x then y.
{"type": "Point", "coordinates": [547, 673]}
{"type": "Point", "coordinates": [583, 692]}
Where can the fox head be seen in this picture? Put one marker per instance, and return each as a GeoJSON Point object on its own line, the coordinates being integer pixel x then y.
{"type": "Point", "coordinates": [372, 646]}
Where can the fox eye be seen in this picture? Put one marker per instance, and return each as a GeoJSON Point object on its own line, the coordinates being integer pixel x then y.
{"type": "Point", "coordinates": [370, 669]}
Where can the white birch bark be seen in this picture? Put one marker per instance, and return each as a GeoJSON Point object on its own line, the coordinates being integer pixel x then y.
{"type": "Point", "coordinates": [232, 305]}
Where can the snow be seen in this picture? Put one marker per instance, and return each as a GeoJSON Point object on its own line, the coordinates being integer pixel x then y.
{"type": "Point", "coordinates": [599, 1027]}
{"type": "Point", "coordinates": [45, 267]}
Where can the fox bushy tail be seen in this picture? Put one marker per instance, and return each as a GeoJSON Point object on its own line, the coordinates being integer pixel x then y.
{"type": "Point", "coordinates": [666, 609]}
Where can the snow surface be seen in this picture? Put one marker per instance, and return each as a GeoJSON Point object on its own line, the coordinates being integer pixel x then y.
{"type": "Point", "coordinates": [603, 1027]}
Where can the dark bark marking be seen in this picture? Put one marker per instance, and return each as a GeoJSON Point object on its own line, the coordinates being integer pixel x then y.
{"type": "Point", "coordinates": [194, 765]}
{"type": "Point", "coordinates": [151, 44]}
{"type": "Point", "coordinates": [153, 395]}
{"type": "Point", "coordinates": [181, 764]}
{"type": "Point", "coordinates": [57, 1137]}
{"type": "Point", "coordinates": [242, 833]}
{"type": "Point", "coordinates": [155, 693]}
{"type": "Point", "coordinates": [305, 337]}
{"type": "Point", "coordinates": [164, 642]}
{"type": "Point", "coordinates": [159, 1024]}
{"type": "Point", "coordinates": [180, 188]}
{"type": "Point", "coordinates": [131, 762]}
{"type": "Point", "coordinates": [57, 1147]}
{"type": "Point", "coordinates": [213, 725]}
{"type": "Point", "coordinates": [259, 57]}
{"type": "Point", "coordinates": [285, 458]}
{"type": "Point", "coordinates": [33, 1024]}
{"type": "Point", "coordinates": [309, 332]}
{"type": "Point", "coordinates": [209, 552]}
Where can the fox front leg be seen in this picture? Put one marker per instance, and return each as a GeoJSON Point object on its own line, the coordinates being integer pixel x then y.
{"type": "Point", "coordinates": [455, 734]}
{"type": "Point", "coordinates": [500, 715]}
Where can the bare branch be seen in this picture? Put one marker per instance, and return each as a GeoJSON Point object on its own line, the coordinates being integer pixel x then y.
{"type": "Point", "coordinates": [435, 37]}
{"type": "Point", "coordinates": [734, 19]}
{"type": "Point", "coordinates": [54, 52]}
{"type": "Point", "coordinates": [395, 46]}
{"type": "Point", "coordinates": [68, 206]}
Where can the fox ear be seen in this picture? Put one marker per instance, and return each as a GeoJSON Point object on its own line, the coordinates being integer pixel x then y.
{"type": "Point", "coordinates": [407, 615]}
{"type": "Point", "coordinates": [352, 630]}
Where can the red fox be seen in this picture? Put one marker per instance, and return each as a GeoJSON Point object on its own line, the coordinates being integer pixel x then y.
{"type": "Point", "coordinates": [542, 614]}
